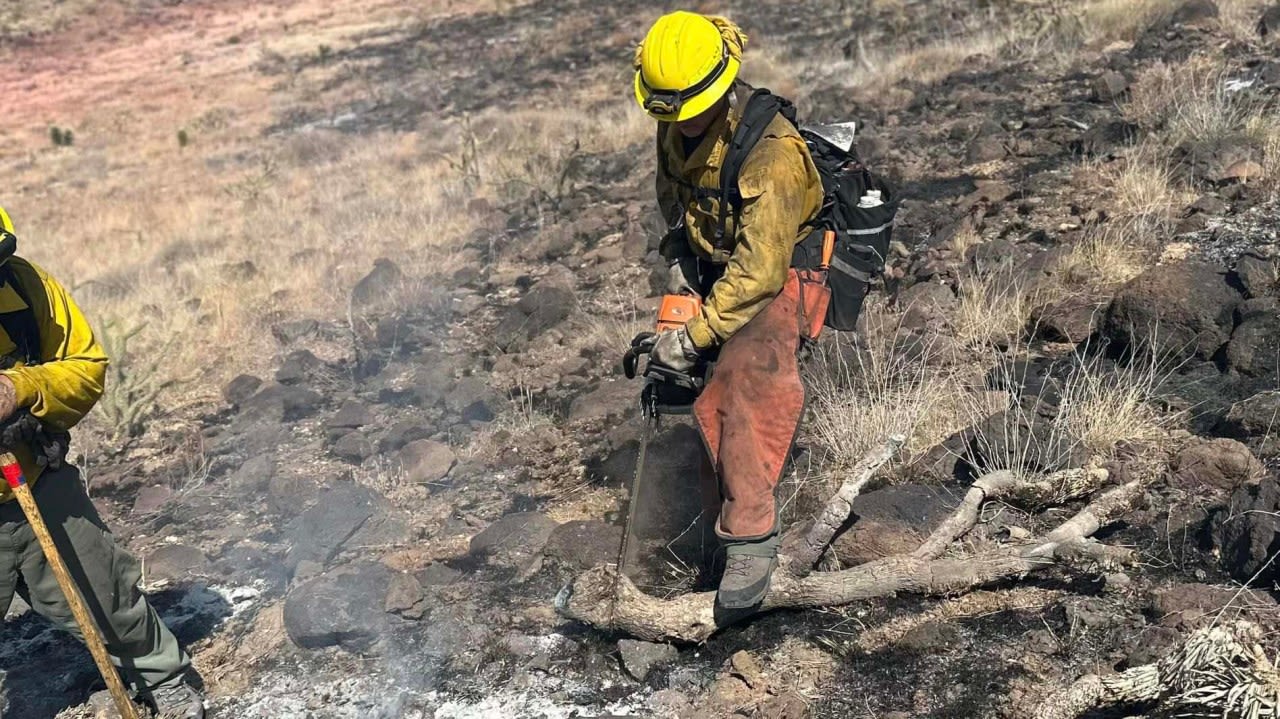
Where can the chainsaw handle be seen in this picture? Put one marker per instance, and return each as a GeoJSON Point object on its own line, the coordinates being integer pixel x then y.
{"type": "Point", "coordinates": [641, 344]}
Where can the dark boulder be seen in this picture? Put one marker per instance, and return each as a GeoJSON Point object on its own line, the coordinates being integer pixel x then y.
{"type": "Point", "coordinates": [1191, 606]}
{"type": "Point", "coordinates": [1214, 465]}
{"type": "Point", "coordinates": [320, 532]}
{"type": "Point", "coordinates": [1255, 343]}
{"type": "Point", "coordinates": [342, 607]}
{"type": "Point", "coordinates": [240, 389]}
{"type": "Point", "coordinates": [538, 311]}
{"type": "Point", "coordinates": [1184, 311]}
{"type": "Point", "coordinates": [1110, 86]}
{"type": "Point", "coordinates": [1257, 416]}
{"type": "Point", "coordinates": [1195, 13]}
{"type": "Point", "coordinates": [426, 462]}
{"type": "Point", "coordinates": [353, 447]}
{"type": "Point", "coordinates": [176, 562]}
{"type": "Point", "coordinates": [1260, 277]}
{"type": "Point", "coordinates": [297, 367]}
{"type": "Point", "coordinates": [515, 539]}
{"type": "Point", "coordinates": [892, 520]}
{"type": "Point", "coordinates": [583, 544]}
{"type": "Point", "coordinates": [639, 658]}
{"type": "Point", "coordinates": [472, 399]}
{"type": "Point", "coordinates": [1246, 534]}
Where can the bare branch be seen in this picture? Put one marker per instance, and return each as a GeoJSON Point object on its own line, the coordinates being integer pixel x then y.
{"type": "Point", "coordinates": [694, 618]}
{"type": "Point", "coordinates": [965, 517]}
{"type": "Point", "coordinates": [840, 506]}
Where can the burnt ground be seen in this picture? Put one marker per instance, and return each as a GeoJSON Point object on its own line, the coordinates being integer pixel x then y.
{"type": "Point", "coordinates": [344, 558]}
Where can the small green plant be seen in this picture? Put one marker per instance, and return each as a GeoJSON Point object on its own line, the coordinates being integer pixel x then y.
{"type": "Point", "coordinates": [134, 385]}
{"type": "Point", "coordinates": [184, 138]}
{"type": "Point", "coordinates": [61, 137]}
{"type": "Point", "coordinates": [324, 53]}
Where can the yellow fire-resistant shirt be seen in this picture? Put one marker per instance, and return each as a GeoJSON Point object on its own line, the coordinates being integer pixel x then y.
{"type": "Point", "coordinates": [64, 387]}
{"type": "Point", "coordinates": [781, 192]}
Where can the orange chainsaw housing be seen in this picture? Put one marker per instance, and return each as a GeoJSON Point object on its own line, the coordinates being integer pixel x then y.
{"type": "Point", "coordinates": [676, 310]}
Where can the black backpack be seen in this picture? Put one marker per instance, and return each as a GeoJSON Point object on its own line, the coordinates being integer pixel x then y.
{"type": "Point", "coordinates": [862, 233]}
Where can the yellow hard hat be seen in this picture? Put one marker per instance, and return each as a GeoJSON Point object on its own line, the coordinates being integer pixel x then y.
{"type": "Point", "coordinates": [8, 242]}
{"type": "Point", "coordinates": [686, 63]}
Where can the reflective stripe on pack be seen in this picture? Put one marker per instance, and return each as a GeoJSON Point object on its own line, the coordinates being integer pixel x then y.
{"type": "Point", "coordinates": [845, 268]}
{"type": "Point", "coordinates": [872, 231]}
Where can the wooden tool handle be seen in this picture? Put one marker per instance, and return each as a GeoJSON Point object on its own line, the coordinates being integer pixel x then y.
{"type": "Point", "coordinates": [92, 637]}
{"type": "Point", "coordinates": [828, 249]}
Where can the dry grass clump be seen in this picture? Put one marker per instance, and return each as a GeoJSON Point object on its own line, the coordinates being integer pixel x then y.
{"type": "Point", "coordinates": [612, 320]}
{"type": "Point", "coordinates": [1067, 27]}
{"type": "Point", "coordinates": [1264, 129]}
{"type": "Point", "coordinates": [994, 309]}
{"type": "Point", "coordinates": [1107, 406]}
{"type": "Point", "coordinates": [1106, 256]}
{"type": "Point", "coordinates": [1143, 200]}
{"type": "Point", "coordinates": [860, 392]}
{"type": "Point", "coordinates": [1195, 99]}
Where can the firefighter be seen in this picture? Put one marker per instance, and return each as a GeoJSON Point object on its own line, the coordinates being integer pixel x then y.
{"type": "Point", "coordinates": [53, 372]}
{"type": "Point", "coordinates": [686, 78]}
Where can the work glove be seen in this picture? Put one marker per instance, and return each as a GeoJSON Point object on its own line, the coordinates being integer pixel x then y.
{"type": "Point", "coordinates": [675, 350]}
{"type": "Point", "coordinates": [48, 447]}
{"type": "Point", "coordinates": [682, 276]}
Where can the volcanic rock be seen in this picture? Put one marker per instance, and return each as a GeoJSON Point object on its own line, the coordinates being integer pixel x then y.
{"type": "Point", "coordinates": [425, 461]}
{"type": "Point", "coordinates": [1255, 343]}
{"type": "Point", "coordinates": [583, 544]}
{"type": "Point", "coordinates": [175, 562]}
{"type": "Point", "coordinates": [1246, 534]}
{"type": "Point", "coordinates": [639, 658]}
{"type": "Point", "coordinates": [240, 389]}
{"type": "Point", "coordinates": [1185, 310]}
{"type": "Point", "coordinates": [342, 607]}
{"type": "Point", "coordinates": [319, 533]}
{"type": "Point", "coordinates": [515, 539]}
{"type": "Point", "coordinates": [1109, 86]}
{"type": "Point", "coordinates": [1215, 464]}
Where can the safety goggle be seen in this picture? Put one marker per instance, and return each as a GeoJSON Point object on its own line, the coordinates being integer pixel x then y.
{"type": "Point", "coordinates": [667, 103]}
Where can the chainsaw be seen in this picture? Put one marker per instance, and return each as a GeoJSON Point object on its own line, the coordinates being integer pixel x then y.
{"type": "Point", "coordinates": [666, 391]}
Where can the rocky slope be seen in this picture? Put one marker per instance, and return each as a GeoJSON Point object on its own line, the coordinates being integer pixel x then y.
{"type": "Point", "coordinates": [378, 534]}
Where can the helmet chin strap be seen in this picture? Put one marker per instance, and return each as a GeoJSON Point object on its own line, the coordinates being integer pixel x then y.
{"type": "Point", "coordinates": [8, 245]}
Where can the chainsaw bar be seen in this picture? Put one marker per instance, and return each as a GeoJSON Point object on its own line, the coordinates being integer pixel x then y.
{"type": "Point", "coordinates": [665, 506]}
{"type": "Point", "coordinates": [626, 558]}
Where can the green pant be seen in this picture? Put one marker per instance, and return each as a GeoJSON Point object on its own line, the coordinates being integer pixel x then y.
{"type": "Point", "coordinates": [144, 649]}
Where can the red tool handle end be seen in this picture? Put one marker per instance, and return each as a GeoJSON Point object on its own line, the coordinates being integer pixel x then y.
{"type": "Point", "coordinates": [13, 474]}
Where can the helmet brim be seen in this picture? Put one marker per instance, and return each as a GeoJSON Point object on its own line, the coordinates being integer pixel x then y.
{"type": "Point", "coordinates": [697, 104]}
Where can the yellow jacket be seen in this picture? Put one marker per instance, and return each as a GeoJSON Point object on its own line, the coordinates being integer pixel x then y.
{"type": "Point", "coordinates": [781, 192]}
{"type": "Point", "coordinates": [64, 387]}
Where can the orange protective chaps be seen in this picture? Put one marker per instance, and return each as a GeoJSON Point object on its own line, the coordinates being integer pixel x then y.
{"type": "Point", "coordinates": [749, 412]}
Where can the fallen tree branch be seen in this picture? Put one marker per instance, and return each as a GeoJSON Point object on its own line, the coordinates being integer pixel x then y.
{"type": "Point", "coordinates": [693, 618]}
{"type": "Point", "coordinates": [965, 517]}
{"type": "Point", "coordinates": [839, 507]}
{"type": "Point", "coordinates": [1058, 487]}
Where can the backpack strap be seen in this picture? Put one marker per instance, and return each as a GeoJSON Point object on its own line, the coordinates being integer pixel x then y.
{"type": "Point", "coordinates": [758, 111]}
{"type": "Point", "coordinates": [21, 326]}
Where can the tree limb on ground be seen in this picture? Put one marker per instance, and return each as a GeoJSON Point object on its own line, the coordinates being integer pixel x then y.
{"type": "Point", "coordinates": [604, 599]}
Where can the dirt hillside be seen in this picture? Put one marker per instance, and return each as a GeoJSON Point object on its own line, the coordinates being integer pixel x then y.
{"type": "Point", "coordinates": [366, 270]}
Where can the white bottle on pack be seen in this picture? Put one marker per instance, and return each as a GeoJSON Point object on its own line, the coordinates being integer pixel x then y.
{"type": "Point", "coordinates": [871, 199]}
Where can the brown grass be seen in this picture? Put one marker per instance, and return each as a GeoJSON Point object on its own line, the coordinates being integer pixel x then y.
{"type": "Point", "coordinates": [994, 309]}
{"type": "Point", "coordinates": [1143, 201]}
{"type": "Point", "coordinates": [210, 244]}
{"type": "Point", "coordinates": [1190, 100]}
{"type": "Point", "coordinates": [1107, 407]}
